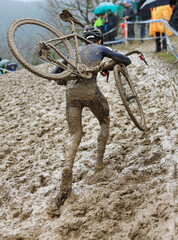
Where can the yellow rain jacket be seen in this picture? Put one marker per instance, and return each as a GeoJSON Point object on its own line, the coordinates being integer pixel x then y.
{"type": "Point", "coordinates": [160, 13]}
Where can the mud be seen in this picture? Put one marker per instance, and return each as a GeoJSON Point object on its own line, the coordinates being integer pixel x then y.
{"type": "Point", "coordinates": [133, 198]}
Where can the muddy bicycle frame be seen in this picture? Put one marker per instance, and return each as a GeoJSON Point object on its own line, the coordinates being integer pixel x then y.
{"type": "Point", "coordinates": [72, 65]}
{"type": "Point", "coordinates": [78, 67]}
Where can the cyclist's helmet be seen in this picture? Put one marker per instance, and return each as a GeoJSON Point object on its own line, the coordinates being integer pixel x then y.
{"type": "Point", "coordinates": [92, 33]}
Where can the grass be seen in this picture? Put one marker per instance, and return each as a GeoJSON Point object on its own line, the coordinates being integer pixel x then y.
{"type": "Point", "coordinates": [168, 57]}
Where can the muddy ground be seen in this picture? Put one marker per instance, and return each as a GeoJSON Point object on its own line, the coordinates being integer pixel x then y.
{"type": "Point", "coordinates": [133, 198]}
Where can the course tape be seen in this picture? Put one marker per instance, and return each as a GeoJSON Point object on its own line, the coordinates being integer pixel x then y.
{"type": "Point", "coordinates": [112, 30]}
{"type": "Point", "coordinates": [156, 21]}
{"type": "Point", "coordinates": [5, 70]}
{"type": "Point", "coordinates": [148, 21]}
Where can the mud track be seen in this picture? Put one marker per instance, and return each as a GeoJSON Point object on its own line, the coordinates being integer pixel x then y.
{"type": "Point", "coordinates": [133, 198]}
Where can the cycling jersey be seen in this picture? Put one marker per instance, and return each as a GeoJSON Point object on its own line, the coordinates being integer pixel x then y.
{"type": "Point", "coordinates": [93, 54]}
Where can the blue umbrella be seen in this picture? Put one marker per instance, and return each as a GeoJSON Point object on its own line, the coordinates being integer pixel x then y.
{"type": "Point", "coordinates": [102, 8]}
{"type": "Point", "coordinates": [154, 3]}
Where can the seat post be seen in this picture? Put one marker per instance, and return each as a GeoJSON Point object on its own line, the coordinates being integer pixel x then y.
{"type": "Point", "coordinates": [76, 42]}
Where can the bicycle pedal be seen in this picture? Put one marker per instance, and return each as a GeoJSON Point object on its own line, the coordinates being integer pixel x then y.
{"type": "Point", "coordinates": [128, 98]}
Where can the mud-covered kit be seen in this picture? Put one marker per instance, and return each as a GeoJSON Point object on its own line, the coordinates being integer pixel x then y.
{"type": "Point", "coordinates": [47, 46]}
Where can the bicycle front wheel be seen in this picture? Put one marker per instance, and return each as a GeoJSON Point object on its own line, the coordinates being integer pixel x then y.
{"type": "Point", "coordinates": [24, 37]}
{"type": "Point", "coordinates": [129, 97]}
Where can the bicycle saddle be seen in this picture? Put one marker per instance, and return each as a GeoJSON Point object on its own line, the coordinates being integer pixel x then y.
{"type": "Point", "coordinates": [66, 16]}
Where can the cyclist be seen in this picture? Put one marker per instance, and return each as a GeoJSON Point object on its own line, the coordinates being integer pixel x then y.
{"type": "Point", "coordinates": [82, 93]}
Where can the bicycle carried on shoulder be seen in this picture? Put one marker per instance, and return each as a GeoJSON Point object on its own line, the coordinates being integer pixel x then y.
{"type": "Point", "coordinates": [47, 45]}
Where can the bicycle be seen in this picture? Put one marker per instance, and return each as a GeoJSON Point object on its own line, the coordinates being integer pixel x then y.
{"type": "Point", "coordinates": [49, 45]}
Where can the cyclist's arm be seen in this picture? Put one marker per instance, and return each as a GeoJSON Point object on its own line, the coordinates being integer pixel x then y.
{"type": "Point", "coordinates": [57, 70]}
{"type": "Point", "coordinates": [118, 57]}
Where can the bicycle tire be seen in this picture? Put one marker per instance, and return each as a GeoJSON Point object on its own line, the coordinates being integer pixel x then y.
{"type": "Point", "coordinates": [12, 30]}
{"type": "Point", "coordinates": [125, 87]}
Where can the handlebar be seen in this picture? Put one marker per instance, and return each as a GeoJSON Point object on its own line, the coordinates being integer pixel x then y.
{"type": "Point", "coordinates": [110, 65]}
{"type": "Point", "coordinates": [140, 55]}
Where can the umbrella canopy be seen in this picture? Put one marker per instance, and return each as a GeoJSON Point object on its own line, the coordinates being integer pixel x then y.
{"type": "Point", "coordinates": [102, 8]}
{"type": "Point", "coordinates": [4, 61]}
{"type": "Point", "coordinates": [155, 3]}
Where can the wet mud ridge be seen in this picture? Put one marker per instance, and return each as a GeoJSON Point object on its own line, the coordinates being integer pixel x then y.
{"type": "Point", "coordinates": [133, 198]}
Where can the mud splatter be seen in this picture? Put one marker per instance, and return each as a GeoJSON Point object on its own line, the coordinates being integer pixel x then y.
{"type": "Point", "coordinates": [133, 198]}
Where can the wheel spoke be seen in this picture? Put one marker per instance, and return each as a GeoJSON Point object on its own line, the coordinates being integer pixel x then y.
{"type": "Point", "coordinates": [24, 38]}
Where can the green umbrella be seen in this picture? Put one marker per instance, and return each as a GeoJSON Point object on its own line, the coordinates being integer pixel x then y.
{"type": "Point", "coordinates": [4, 61]}
{"type": "Point", "coordinates": [102, 8]}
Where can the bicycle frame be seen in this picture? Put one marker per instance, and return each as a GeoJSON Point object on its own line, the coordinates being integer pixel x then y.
{"type": "Point", "coordinates": [78, 68]}
{"type": "Point", "coordinates": [75, 36]}
{"type": "Point", "coordinates": [73, 67]}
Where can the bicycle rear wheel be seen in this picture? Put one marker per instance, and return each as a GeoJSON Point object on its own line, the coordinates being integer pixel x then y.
{"type": "Point", "coordinates": [129, 97]}
{"type": "Point", "coordinates": [24, 36]}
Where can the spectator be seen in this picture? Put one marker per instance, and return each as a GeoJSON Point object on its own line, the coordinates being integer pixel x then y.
{"type": "Point", "coordinates": [174, 17]}
{"type": "Point", "coordinates": [100, 23]}
{"type": "Point", "coordinates": [111, 22]}
{"type": "Point", "coordinates": [129, 15]}
{"type": "Point", "coordinates": [173, 3]}
{"type": "Point", "coordinates": [158, 29]}
{"type": "Point", "coordinates": [4, 68]}
{"type": "Point", "coordinates": [12, 67]}
{"type": "Point", "coordinates": [93, 21]}
{"type": "Point", "coordinates": [143, 15]}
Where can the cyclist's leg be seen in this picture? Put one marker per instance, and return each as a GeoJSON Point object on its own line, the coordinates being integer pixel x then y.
{"type": "Point", "coordinates": [75, 129]}
{"type": "Point", "coordinates": [101, 111]}
{"type": "Point", "coordinates": [74, 120]}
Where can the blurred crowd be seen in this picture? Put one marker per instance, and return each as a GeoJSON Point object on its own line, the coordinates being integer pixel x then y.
{"type": "Point", "coordinates": [6, 66]}
{"type": "Point", "coordinates": [109, 22]}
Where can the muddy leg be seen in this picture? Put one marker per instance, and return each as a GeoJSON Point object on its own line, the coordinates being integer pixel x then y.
{"type": "Point", "coordinates": [101, 111]}
{"type": "Point", "coordinates": [102, 140]}
{"type": "Point", "coordinates": [65, 187]}
{"type": "Point", "coordinates": [75, 128]}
